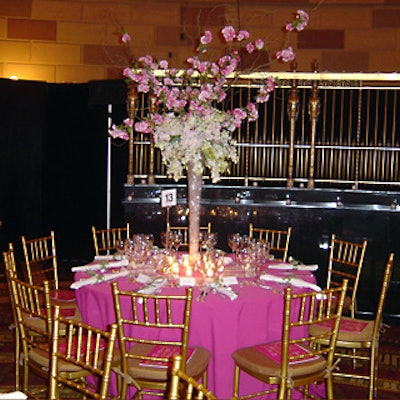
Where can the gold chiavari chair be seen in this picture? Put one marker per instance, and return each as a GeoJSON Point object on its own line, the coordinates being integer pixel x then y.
{"type": "Point", "coordinates": [105, 240]}
{"type": "Point", "coordinates": [83, 351]}
{"type": "Point", "coordinates": [41, 265]}
{"type": "Point", "coordinates": [278, 240]}
{"type": "Point", "coordinates": [361, 338]}
{"type": "Point", "coordinates": [184, 387]}
{"type": "Point", "coordinates": [294, 362]}
{"type": "Point", "coordinates": [345, 262]}
{"type": "Point", "coordinates": [11, 271]}
{"type": "Point", "coordinates": [184, 231]}
{"type": "Point", "coordinates": [150, 331]}
{"type": "Point", "coordinates": [34, 316]}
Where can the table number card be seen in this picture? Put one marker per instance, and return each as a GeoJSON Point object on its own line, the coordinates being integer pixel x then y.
{"type": "Point", "coordinates": [168, 198]}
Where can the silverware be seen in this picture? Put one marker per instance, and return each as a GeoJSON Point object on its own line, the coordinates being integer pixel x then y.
{"type": "Point", "coordinates": [203, 295]}
{"type": "Point", "coordinates": [271, 288]}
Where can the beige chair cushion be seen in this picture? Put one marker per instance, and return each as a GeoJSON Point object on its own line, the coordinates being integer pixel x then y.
{"type": "Point", "coordinates": [196, 365]}
{"type": "Point", "coordinates": [253, 360]}
{"type": "Point", "coordinates": [42, 358]}
{"type": "Point", "coordinates": [345, 334]}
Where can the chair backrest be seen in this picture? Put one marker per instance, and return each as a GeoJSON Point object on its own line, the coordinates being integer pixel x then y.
{"type": "Point", "coordinates": [345, 262]}
{"type": "Point", "coordinates": [153, 319]}
{"type": "Point", "coordinates": [41, 259]}
{"type": "Point", "coordinates": [105, 240]}
{"type": "Point", "coordinates": [9, 262]}
{"type": "Point", "coordinates": [277, 240]}
{"type": "Point", "coordinates": [34, 313]}
{"type": "Point", "coordinates": [184, 231]}
{"type": "Point", "coordinates": [82, 348]}
{"type": "Point", "coordinates": [34, 316]}
{"type": "Point", "coordinates": [301, 311]}
{"type": "Point", "coordinates": [184, 386]}
{"type": "Point", "coordinates": [387, 275]}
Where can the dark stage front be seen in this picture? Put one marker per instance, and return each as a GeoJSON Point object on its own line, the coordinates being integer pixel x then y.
{"type": "Point", "coordinates": [314, 215]}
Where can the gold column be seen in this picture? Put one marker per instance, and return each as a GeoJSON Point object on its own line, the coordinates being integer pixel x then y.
{"type": "Point", "coordinates": [313, 112]}
{"type": "Point", "coordinates": [153, 110]}
{"type": "Point", "coordinates": [132, 103]}
{"type": "Point", "coordinates": [293, 112]}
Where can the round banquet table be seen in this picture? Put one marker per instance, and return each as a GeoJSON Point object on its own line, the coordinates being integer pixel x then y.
{"type": "Point", "coordinates": [218, 324]}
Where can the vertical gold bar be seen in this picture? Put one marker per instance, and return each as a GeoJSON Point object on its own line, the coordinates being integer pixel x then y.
{"type": "Point", "coordinates": [313, 111]}
{"type": "Point", "coordinates": [132, 101]}
{"type": "Point", "coordinates": [293, 112]}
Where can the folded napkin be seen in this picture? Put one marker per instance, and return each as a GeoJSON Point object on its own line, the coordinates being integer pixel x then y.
{"type": "Point", "coordinates": [154, 286]}
{"type": "Point", "coordinates": [104, 257]}
{"type": "Point", "coordinates": [290, 281]}
{"type": "Point", "coordinates": [13, 395]}
{"type": "Point", "coordinates": [99, 278]}
{"type": "Point", "coordinates": [97, 266]}
{"type": "Point", "coordinates": [227, 291]}
{"type": "Point", "coordinates": [299, 267]}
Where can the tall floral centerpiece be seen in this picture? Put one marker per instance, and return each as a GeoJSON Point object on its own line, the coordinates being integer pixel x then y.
{"type": "Point", "coordinates": [189, 127]}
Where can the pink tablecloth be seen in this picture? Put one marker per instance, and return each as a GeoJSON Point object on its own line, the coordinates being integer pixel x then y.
{"type": "Point", "coordinates": [218, 324]}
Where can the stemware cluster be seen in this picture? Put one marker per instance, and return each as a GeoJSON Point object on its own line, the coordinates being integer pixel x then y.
{"type": "Point", "coordinates": [138, 250]}
{"type": "Point", "coordinates": [251, 253]}
{"type": "Point", "coordinates": [208, 240]}
{"type": "Point", "coordinates": [171, 239]}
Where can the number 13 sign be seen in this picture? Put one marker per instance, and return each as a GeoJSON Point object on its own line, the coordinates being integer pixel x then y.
{"type": "Point", "coordinates": [168, 198]}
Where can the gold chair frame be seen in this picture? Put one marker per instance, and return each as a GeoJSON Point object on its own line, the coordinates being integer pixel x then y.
{"type": "Point", "coordinates": [184, 231]}
{"type": "Point", "coordinates": [278, 240]}
{"type": "Point", "coordinates": [301, 310]}
{"type": "Point", "coordinates": [345, 262]}
{"type": "Point", "coordinates": [367, 340]}
{"type": "Point", "coordinates": [34, 315]}
{"type": "Point", "coordinates": [105, 240]}
{"type": "Point", "coordinates": [84, 353]}
{"type": "Point", "coordinates": [11, 271]}
{"type": "Point", "coordinates": [184, 386]}
{"type": "Point", "coordinates": [155, 314]}
{"type": "Point", "coordinates": [41, 259]}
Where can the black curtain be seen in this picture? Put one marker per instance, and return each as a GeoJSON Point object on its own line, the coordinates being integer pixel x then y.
{"type": "Point", "coordinates": [53, 168]}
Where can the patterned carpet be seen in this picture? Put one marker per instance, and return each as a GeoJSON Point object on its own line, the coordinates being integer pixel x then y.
{"type": "Point", "coordinates": [389, 367]}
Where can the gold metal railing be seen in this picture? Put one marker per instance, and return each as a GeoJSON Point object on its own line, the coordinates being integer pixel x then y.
{"type": "Point", "coordinates": [318, 129]}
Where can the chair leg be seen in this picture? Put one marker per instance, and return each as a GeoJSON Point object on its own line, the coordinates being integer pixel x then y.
{"type": "Point", "coordinates": [17, 361]}
{"type": "Point", "coordinates": [283, 390]}
{"type": "Point", "coordinates": [329, 387]}
{"type": "Point", "coordinates": [236, 382]}
{"type": "Point", "coordinates": [373, 374]}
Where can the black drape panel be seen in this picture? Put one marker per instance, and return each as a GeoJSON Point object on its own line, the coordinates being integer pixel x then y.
{"type": "Point", "coordinates": [22, 132]}
{"type": "Point", "coordinates": [53, 152]}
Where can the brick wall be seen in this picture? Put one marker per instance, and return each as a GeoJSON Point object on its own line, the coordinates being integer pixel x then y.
{"type": "Point", "coordinates": [75, 40]}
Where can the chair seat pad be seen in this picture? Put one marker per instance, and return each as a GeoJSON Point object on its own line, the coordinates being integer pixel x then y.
{"type": "Point", "coordinates": [253, 360]}
{"type": "Point", "coordinates": [346, 335]}
{"type": "Point", "coordinates": [195, 367]}
{"type": "Point", "coordinates": [42, 358]}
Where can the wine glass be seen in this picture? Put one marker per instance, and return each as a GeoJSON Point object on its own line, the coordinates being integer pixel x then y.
{"type": "Point", "coordinates": [235, 242]}
{"type": "Point", "coordinates": [176, 240]}
{"type": "Point", "coordinates": [211, 240]}
{"type": "Point", "coordinates": [120, 246]}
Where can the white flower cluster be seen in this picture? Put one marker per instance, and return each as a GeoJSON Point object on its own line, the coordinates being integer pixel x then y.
{"type": "Point", "coordinates": [205, 141]}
